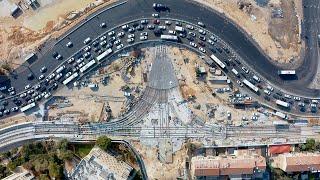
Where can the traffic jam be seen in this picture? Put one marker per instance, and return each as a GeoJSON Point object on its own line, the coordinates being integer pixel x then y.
{"type": "Point", "coordinates": [195, 36]}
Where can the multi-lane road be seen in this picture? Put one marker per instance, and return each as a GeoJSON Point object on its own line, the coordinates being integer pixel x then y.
{"type": "Point", "coordinates": [127, 11]}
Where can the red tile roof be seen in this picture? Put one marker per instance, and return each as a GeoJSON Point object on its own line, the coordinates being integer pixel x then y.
{"type": "Point", "coordinates": [279, 149]}
{"type": "Point", "coordinates": [215, 166]}
{"type": "Point", "coordinates": [303, 162]}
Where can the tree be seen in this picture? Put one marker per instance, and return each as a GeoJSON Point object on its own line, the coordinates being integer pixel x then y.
{"type": "Point", "coordinates": [55, 171]}
{"type": "Point", "coordinates": [4, 172]}
{"type": "Point", "coordinates": [103, 142]}
{"type": "Point", "coordinates": [63, 145]}
{"type": "Point", "coordinates": [310, 145]}
{"type": "Point", "coordinates": [6, 66]}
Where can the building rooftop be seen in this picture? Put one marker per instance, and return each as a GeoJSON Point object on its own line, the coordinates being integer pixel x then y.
{"type": "Point", "coordinates": [297, 162]}
{"type": "Point", "coordinates": [227, 165]}
{"type": "Point", "coordinates": [279, 149]}
{"type": "Point", "coordinates": [22, 174]}
{"type": "Point", "coordinates": [100, 165]}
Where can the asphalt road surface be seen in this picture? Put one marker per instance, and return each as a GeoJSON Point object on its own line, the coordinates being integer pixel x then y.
{"type": "Point", "coordinates": [191, 12]}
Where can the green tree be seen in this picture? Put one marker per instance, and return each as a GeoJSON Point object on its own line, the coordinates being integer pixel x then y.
{"type": "Point", "coordinates": [4, 171]}
{"type": "Point", "coordinates": [43, 177]}
{"type": "Point", "coordinates": [310, 144]}
{"type": "Point", "coordinates": [66, 155]}
{"type": "Point", "coordinates": [103, 142]}
{"type": "Point", "coordinates": [63, 144]}
{"type": "Point", "coordinates": [6, 66]}
{"type": "Point", "coordinates": [55, 171]}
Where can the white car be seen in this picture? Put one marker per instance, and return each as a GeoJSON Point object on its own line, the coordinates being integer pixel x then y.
{"type": "Point", "coordinates": [12, 93]}
{"type": "Point", "coordinates": [124, 27]}
{"type": "Point", "coordinates": [36, 87]}
{"type": "Point", "coordinates": [296, 98]}
{"type": "Point", "coordinates": [102, 43]}
{"type": "Point", "coordinates": [201, 24]}
{"type": "Point", "coordinates": [87, 40]}
{"type": "Point", "coordinates": [144, 21]}
{"type": "Point", "coordinates": [120, 34]}
{"type": "Point", "coordinates": [131, 40]}
{"type": "Point", "coordinates": [103, 25]}
{"type": "Point", "coordinates": [144, 34]}
{"type": "Point", "coordinates": [245, 69]}
{"type": "Point", "coordinates": [23, 95]}
{"type": "Point", "coordinates": [201, 31]}
{"type": "Point", "coordinates": [70, 60]}
{"type": "Point", "coordinates": [156, 15]}
{"type": "Point", "coordinates": [103, 38]}
{"type": "Point", "coordinates": [111, 33]}
{"type": "Point", "coordinates": [87, 48]}
{"type": "Point", "coordinates": [27, 87]}
{"type": "Point", "coordinates": [58, 76]}
{"type": "Point", "coordinates": [51, 76]}
{"type": "Point", "coordinates": [142, 38]}
{"type": "Point", "coordinates": [267, 92]}
{"type": "Point", "coordinates": [287, 96]}
{"type": "Point", "coordinates": [87, 54]}
{"type": "Point", "coordinates": [189, 27]}
{"type": "Point", "coordinates": [193, 44]}
{"type": "Point", "coordinates": [131, 36]}
{"type": "Point", "coordinates": [80, 60]}
{"type": "Point", "coordinates": [30, 91]}
{"type": "Point", "coordinates": [69, 44]}
{"type": "Point", "coordinates": [167, 22]}
{"type": "Point", "coordinates": [120, 46]}
{"type": "Point", "coordinates": [162, 27]}
{"type": "Point", "coordinates": [59, 57]}
{"type": "Point", "coordinates": [172, 32]}
{"type": "Point", "coordinates": [240, 83]}
{"type": "Point", "coordinates": [68, 74]}
{"type": "Point", "coordinates": [117, 42]}
{"type": "Point", "coordinates": [82, 64]}
{"type": "Point", "coordinates": [211, 42]}
{"type": "Point", "coordinates": [202, 50]}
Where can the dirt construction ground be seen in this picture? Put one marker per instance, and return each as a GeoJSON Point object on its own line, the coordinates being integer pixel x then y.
{"type": "Point", "coordinates": [278, 37]}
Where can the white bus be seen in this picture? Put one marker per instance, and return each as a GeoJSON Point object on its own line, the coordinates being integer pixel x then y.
{"type": "Point", "coordinates": [169, 37]}
{"type": "Point", "coordinates": [104, 54]}
{"type": "Point", "coordinates": [235, 72]}
{"type": "Point", "coordinates": [88, 65]}
{"type": "Point", "coordinates": [216, 60]}
{"type": "Point", "coordinates": [286, 72]}
{"type": "Point", "coordinates": [27, 107]}
{"type": "Point", "coordinates": [250, 85]}
{"type": "Point", "coordinates": [282, 103]}
{"type": "Point", "coordinates": [69, 79]}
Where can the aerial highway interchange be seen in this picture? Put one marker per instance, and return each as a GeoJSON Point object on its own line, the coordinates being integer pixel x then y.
{"type": "Point", "coordinates": [117, 27]}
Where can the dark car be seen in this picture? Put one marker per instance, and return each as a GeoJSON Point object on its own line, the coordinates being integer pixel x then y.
{"type": "Point", "coordinates": [140, 28]}
{"type": "Point", "coordinates": [30, 76]}
{"type": "Point", "coordinates": [190, 38]}
{"type": "Point", "coordinates": [55, 54]}
{"type": "Point", "coordinates": [201, 44]}
{"type": "Point", "coordinates": [5, 103]}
